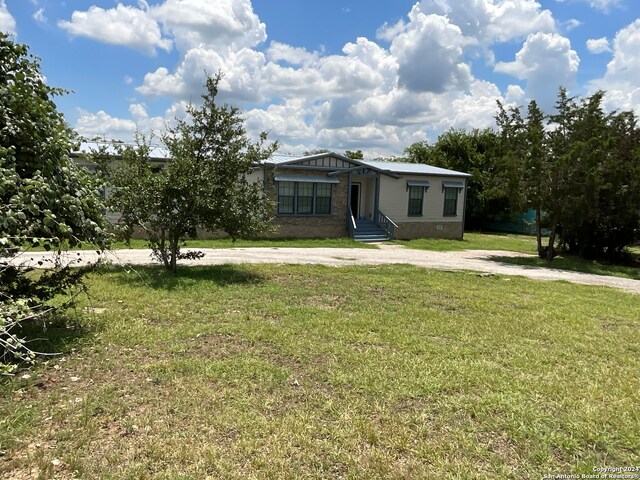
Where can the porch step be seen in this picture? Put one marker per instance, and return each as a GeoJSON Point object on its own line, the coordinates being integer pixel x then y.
{"type": "Point", "coordinates": [367, 231]}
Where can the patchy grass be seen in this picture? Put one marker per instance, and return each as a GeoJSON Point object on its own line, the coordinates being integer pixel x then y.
{"type": "Point", "coordinates": [527, 244]}
{"type": "Point", "coordinates": [577, 264]}
{"type": "Point", "coordinates": [476, 241]}
{"type": "Point", "coordinates": [270, 242]}
{"type": "Point", "coordinates": [228, 243]}
{"type": "Point", "coordinates": [318, 372]}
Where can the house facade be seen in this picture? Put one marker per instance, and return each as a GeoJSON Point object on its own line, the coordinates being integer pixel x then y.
{"type": "Point", "coordinates": [329, 195]}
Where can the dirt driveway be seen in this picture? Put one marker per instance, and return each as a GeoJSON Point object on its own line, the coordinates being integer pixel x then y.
{"type": "Point", "coordinates": [476, 260]}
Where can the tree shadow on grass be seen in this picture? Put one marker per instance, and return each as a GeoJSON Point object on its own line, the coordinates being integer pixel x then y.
{"type": "Point", "coordinates": [574, 264]}
{"type": "Point", "coordinates": [54, 336]}
{"type": "Point", "coordinates": [187, 276]}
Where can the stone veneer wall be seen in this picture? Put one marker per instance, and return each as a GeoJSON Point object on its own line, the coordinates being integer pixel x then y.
{"type": "Point", "coordinates": [411, 230]}
{"type": "Point", "coordinates": [310, 226]}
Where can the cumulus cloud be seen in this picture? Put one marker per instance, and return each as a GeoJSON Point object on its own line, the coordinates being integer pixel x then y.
{"type": "Point", "coordinates": [224, 23]}
{"type": "Point", "coordinates": [242, 72]}
{"type": "Point", "coordinates": [7, 22]}
{"type": "Point", "coordinates": [623, 71]}
{"type": "Point", "coordinates": [278, 52]}
{"type": "Point", "coordinates": [598, 45]}
{"type": "Point", "coordinates": [547, 62]}
{"type": "Point", "coordinates": [122, 25]}
{"type": "Point", "coordinates": [368, 96]}
{"type": "Point", "coordinates": [515, 95]}
{"type": "Point", "coordinates": [490, 21]}
{"type": "Point", "coordinates": [429, 54]}
{"type": "Point", "coordinates": [102, 124]}
{"type": "Point", "coordinates": [138, 110]}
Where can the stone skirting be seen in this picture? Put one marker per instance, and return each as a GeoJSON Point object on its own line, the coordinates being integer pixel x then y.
{"type": "Point", "coordinates": [412, 230]}
{"type": "Point", "coordinates": [300, 227]}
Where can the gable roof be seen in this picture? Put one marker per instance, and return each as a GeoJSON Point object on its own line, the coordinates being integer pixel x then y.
{"type": "Point", "coordinates": [381, 166]}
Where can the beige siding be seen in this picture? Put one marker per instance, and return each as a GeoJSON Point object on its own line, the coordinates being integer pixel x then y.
{"type": "Point", "coordinates": [367, 195]}
{"type": "Point", "coordinates": [394, 199]}
{"type": "Point", "coordinates": [256, 176]}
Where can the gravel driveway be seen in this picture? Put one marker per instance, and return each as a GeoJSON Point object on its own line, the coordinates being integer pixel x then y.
{"type": "Point", "coordinates": [475, 260]}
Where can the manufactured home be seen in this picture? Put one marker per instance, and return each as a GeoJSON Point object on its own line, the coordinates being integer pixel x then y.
{"type": "Point", "coordinates": [330, 195]}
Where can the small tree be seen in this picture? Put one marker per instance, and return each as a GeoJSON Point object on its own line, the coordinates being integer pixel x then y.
{"type": "Point", "coordinates": [45, 199]}
{"type": "Point", "coordinates": [355, 154]}
{"type": "Point", "coordinates": [204, 185]}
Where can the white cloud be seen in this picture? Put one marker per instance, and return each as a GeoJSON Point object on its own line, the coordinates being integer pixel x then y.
{"type": "Point", "coordinates": [602, 5]}
{"type": "Point", "coordinates": [242, 72]}
{"type": "Point", "coordinates": [285, 122]}
{"type": "Point", "coordinates": [203, 23]}
{"type": "Point", "coordinates": [389, 32]}
{"type": "Point", "coordinates": [367, 96]}
{"type": "Point", "coordinates": [102, 124]}
{"type": "Point", "coordinates": [490, 21]}
{"type": "Point", "coordinates": [292, 55]}
{"type": "Point", "coordinates": [598, 45]}
{"type": "Point", "coordinates": [429, 54]}
{"type": "Point", "coordinates": [122, 25]}
{"type": "Point", "coordinates": [39, 16]}
{"type": "Point", "coordinates": [571, 24]}
{"type": "Point", "coordinates": [515, 95]}
{"type": "Point", "coordinates": [547, 62]}
{"type": "Point", "coordinates": [623, 71]}
{"type": "Point", "coordinates": [625, 65]}
{"type": "Point", "coordinates": [7, 22]}
{"type": "Point", "coordinates": [138, 110]}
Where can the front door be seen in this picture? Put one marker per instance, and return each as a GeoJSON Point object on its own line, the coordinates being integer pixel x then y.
{"type": "Point", "coordinates": [355, 199]}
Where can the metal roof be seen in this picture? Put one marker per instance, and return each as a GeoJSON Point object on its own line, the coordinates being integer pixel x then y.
{"type": "Point", "coordinates": [402, 168]}
{"type": "Point", "coordinates": [156, 152]}
{"type": "Point", "coordinates": [411, 168]}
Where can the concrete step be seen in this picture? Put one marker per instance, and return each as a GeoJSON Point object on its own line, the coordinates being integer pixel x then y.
{"type": "Point", "coordinates": [371, 238]}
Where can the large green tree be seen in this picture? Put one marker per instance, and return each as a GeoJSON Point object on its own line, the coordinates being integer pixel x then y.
{"type": "Point", "coordinates": [579, 169]}
{"type": "Point", "coordinates": [203, 186]}
{"type": "Point", "coordinates": [45, 199]}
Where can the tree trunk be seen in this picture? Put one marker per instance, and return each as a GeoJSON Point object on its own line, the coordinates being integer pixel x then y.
{"type": "Point", "coordinates": [539, 231]}
{"type": "Point", "coordinates": [552, 240]}
{"type": "Point", "coordinates": [163, 252]}
{"type": "Point", "coordinates": [174, 246]}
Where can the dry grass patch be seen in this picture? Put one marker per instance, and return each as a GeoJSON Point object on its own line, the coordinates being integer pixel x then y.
{"type": "Point", "coordinates": [318, 372]}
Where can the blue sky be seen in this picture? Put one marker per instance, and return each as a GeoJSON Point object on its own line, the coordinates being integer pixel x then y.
{"type": "Point", "coordinates": [355, 74]}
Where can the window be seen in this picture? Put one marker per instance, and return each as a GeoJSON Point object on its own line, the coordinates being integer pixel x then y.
{"type": "Point", "coordinates": [286, 197]}
{"type": "Point", "coordinates": [450, 201]}
{"type": "Point", "coordinates": [416, 199]}
{"type": "Point", "coordinates": [304, 198]}
{"type": "Point", "coordinates": [323, 198]}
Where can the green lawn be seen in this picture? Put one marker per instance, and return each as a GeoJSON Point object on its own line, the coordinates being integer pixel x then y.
{"type": "Point", "coordinates": [228, 243]}
{"type": "Point", "coordinates": [319, 372]}
{"type": "Point", "coordinates": [476, 241]}
{"type": "Point", "coordinates": [527, 244]}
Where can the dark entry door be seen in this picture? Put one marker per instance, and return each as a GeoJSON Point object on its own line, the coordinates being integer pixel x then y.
{"type": "Point", "coordinates": [355, 199]}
